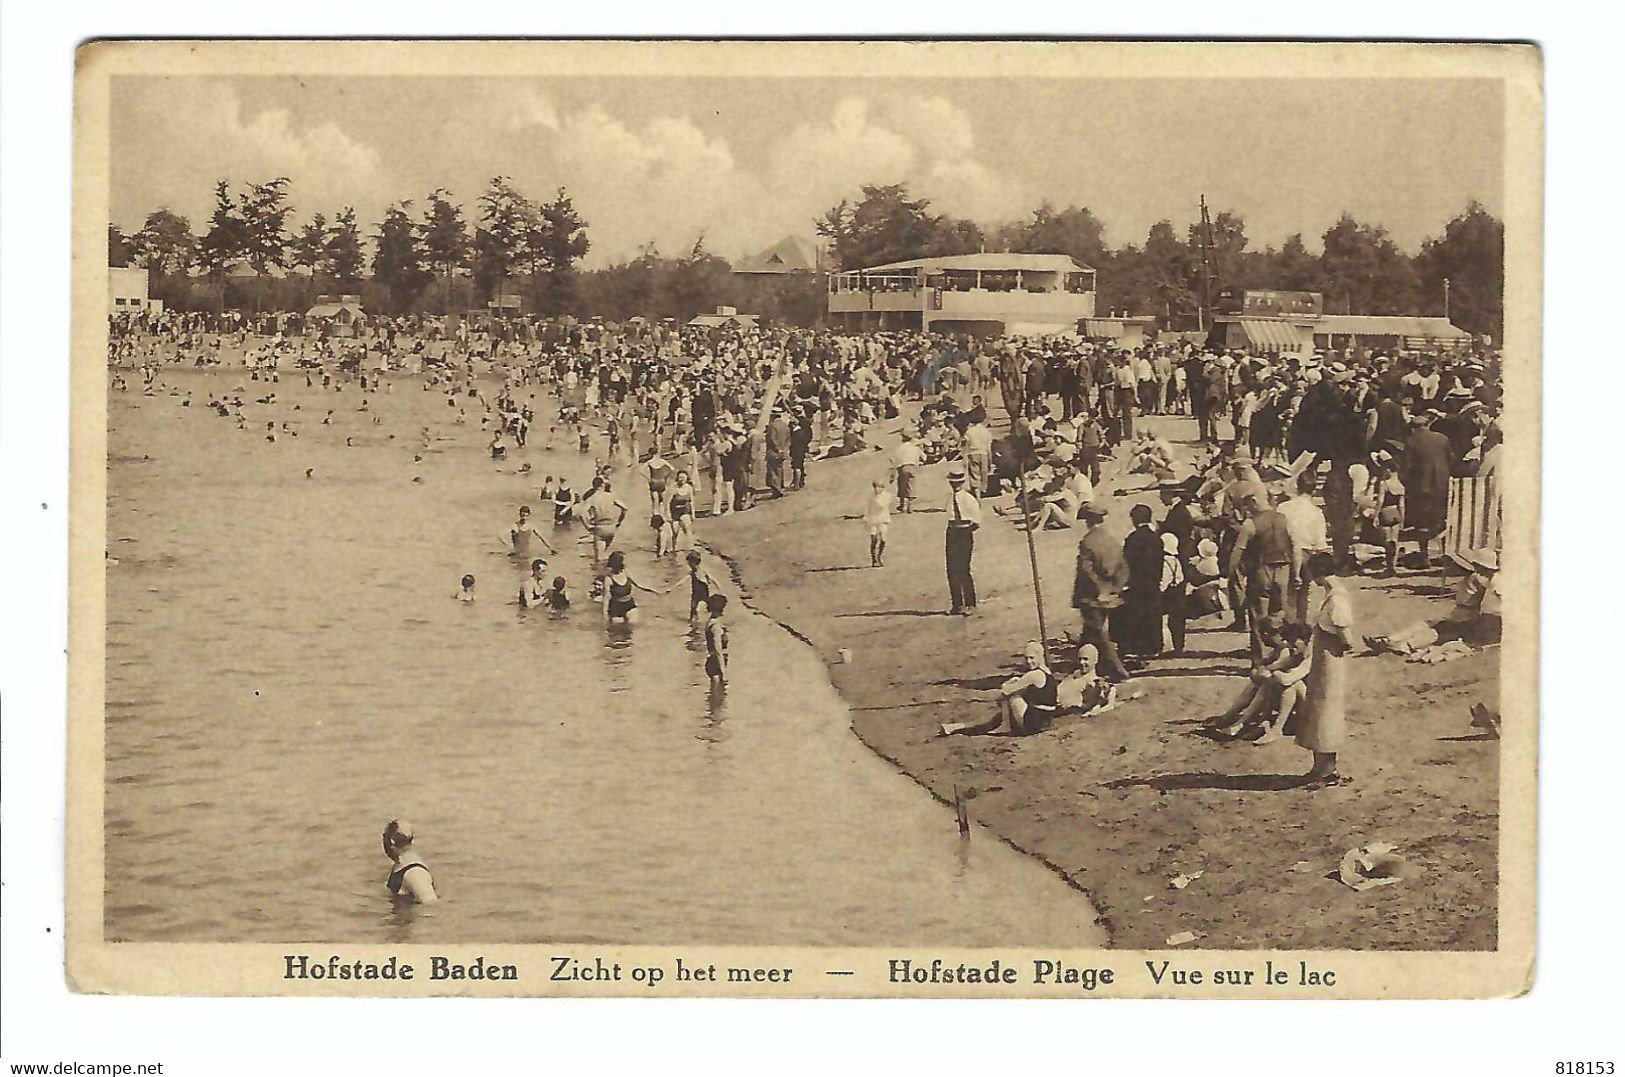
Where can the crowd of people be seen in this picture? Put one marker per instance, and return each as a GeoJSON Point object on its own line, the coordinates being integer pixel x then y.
{"type": "Point", "coordinates": [1296, 461]}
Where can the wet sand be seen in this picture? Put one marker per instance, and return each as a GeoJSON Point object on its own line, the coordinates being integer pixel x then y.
{"type": "Point", "coordinates": [1123, 802]}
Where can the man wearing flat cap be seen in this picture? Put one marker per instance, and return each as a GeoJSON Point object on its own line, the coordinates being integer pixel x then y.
{"type": "Point", "coordinates": [1097, 588]}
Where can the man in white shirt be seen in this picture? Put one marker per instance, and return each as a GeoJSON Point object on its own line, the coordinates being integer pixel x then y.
{"type": "Point", "coordinates": [1306, 523]}
{"type": "Point", "coordinates": [964, 517]}
{"type": "Point", "coordinates": [978, 456]}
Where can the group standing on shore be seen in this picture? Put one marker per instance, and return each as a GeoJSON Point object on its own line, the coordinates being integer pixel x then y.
{"type": "Point", "coordinates": [1327, 452]}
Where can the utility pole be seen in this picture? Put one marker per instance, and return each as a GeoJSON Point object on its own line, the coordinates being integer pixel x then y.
{"type": "Point", "coordinates": [1206, 237]}
{"type": "Point", "coordinates": [1447, 299]}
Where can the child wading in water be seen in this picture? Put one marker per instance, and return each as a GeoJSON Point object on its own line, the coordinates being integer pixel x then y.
{"type": "Point", "coordinates": [467, 593]}
{"type": "Point", "coordinates": [716, 642]}
{"type": "Point", "coordinates": [877, 518]}
{"type": "Point", "coordinates": [700, 585]}
{"type": "Point", "coordinates": [558, 598]}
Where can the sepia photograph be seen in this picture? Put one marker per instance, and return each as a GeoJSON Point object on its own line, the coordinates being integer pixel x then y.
{"type": "Point", "coordinates": [805, 518]}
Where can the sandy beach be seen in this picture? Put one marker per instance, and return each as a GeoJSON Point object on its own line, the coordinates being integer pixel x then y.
{"type": "Point", "coordinates": [1122, 803]}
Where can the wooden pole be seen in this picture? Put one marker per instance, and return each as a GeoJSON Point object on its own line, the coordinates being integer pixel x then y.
{"type": "Point", "coordinates": [1032, 553]}
{"type": "Point", "coordinates": [961, 814]}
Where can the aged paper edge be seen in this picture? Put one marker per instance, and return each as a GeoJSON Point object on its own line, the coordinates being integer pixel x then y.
{"type": "Point", "coordinates": [95, 965]}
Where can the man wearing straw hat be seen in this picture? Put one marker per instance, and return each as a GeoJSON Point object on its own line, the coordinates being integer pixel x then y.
{"type": "Point", "coordinates": [964, 517]}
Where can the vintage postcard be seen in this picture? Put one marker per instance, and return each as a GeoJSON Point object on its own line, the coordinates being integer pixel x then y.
{"type": "Point", "coordinates": [752, 519]}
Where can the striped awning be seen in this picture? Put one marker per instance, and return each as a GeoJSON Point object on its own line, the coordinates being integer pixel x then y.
{"type": "Point", "coordinates": [1271, 335]}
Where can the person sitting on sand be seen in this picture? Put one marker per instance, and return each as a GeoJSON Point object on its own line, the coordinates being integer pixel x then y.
{"type": "Point", "coordinates": [467, 592]}
{"type": "Point", "coordinates": [1084, 689]}
{"type": "Point", "coordinates": [1027, 702]}
{"type": "Point", "coordinates": [1475, 618]}
{"type": "Point", "coordinates": [1279, 684]}
{"type": "Point", "coordinates": [1059, 510]}
{"type": "Point", "coordinates": [409, 880]}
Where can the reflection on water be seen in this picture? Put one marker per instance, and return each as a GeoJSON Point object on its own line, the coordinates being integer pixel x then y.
{"type": "Point", "coordinates": [287, 671]}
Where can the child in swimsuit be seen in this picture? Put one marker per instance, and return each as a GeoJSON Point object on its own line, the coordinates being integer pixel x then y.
{"type": "Point", "coordinates": [557, 599]}
{"type": "Point", "coordinates": [467, 593]}
{"type": "Point", "coordinates": [716, 642]}
{"type": "Point", "coordinates": [699, 586]}
{"type": "Point", "coordinates": [877, 517]}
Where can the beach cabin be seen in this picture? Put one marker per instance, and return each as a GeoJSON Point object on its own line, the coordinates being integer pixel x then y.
{"type": "Point", "coordinates": [1388, 333]}
{"type": "Point", "coordinates": [724, 316]}
{"type": "Point", "coordinates": [981, 294]}
{"type": "Point", "coordinates": [344, 311]}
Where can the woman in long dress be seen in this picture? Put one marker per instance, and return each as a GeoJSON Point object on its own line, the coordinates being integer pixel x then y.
{"type": "Point", "coordinates": [1321, 725]}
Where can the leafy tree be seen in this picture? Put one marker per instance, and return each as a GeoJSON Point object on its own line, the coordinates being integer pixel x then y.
{"type": "Point", "coordinates": [1469, 255]}
{"type": "Point", "coordinates": [445, 238]}
{"type": "Point", "coordinates": [886, 225]}
{"type": "Point", "coordinates": [1295, 269]}
{"type": "Point", "coordinates": [1365, 272]}
{"type": "Point", "coordinates": [344, 257]}
{"type": "Point", "coordinates": [560, 240]}
{"type": "Point", "coordinates": [310, 246]}
{"type": "Point", "coordinates": [398, 257]}
{"type": "Point", "coordinates": [1073, 231]}
{"type": "Point", "coordinates": [1169, 274]}
{"type": "Point", "coordinates": [165, 243]}
{"type": "Point", "coordinates": [226, 241]}
{"type": "Point", "coordinates": [499, 241]}
{"type": "Point", "coordinates": [119, 248]}
{"type": "Point", "coordinates": [263, 210]}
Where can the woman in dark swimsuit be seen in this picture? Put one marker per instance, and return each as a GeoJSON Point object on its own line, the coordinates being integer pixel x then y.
{"type": "Point", "coordinates": [619, 603]}
{"type": "Point", "coordinates": [682, 512]}
{"type": "Point", "coordinates": [404, 882]}
{"type": "Point", "coordinates": [1027, 703]}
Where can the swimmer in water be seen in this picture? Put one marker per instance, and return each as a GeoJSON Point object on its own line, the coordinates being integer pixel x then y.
{"type": "Point", "coordinates": [682, 512]}
{"type": "Point", "coordinates": [467, 593]}
{"type": "Point", "coordinates": [533, 592]}
{"type": "Point", "coordinates": [564, 503]}
{"type": "Point", "coordinates": [558, 598]}
{"type": "Point", "coordinates": [716, 642]}
{"type": "Point", "coordinates": [619, 603]}
{"type": "Point", "coordinates": [405, 883]}
{"type": "Point", "coordinates": [604, 513]}
{"type": "Point", "coordinates": [523, 531]}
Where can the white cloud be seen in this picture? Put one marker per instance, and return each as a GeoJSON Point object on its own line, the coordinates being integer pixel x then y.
{"type": "Point", "coordinates": [665, 181]}
{"type": "Point", "coordinates": [208, 129]}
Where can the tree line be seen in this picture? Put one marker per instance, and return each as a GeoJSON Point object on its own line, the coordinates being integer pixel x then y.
{"type": "Point", "coordinates": [421, 260]}
{"type": "Point", "coordinates": [439, 257]}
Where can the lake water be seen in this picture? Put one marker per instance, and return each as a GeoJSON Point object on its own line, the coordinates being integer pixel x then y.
{"type": "Point", "coordinates": [287, 671]}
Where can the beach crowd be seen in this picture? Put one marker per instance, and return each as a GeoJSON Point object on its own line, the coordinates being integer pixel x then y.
{"type": "Point", "coordinates": [1288, 469]}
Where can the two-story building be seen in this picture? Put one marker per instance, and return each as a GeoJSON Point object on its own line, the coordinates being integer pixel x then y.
{"type": "Point", "coordinates": [983, 294]}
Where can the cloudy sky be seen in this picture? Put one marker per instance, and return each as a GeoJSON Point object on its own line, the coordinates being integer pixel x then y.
{"type": "Point", "coordinates": [747, 161]}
